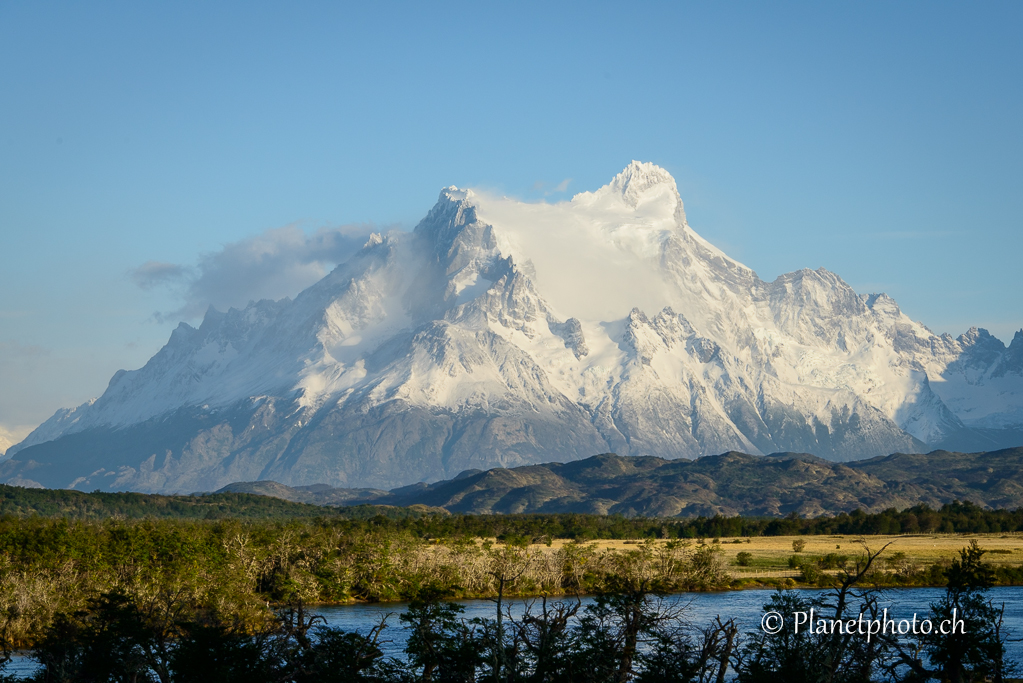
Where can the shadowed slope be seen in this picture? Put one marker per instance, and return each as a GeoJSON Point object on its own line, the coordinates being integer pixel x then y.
{"type": "Point", "coordinates": [728, 484]}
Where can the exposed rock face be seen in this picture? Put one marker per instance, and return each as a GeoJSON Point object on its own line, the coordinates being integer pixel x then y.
{"type": "Point", "coordinates": [500, 334]}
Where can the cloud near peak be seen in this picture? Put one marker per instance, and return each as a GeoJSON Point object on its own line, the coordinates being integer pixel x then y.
{"type": "Point", "coordinates": [157, 273]}
{"type": "Point", "coordinates": [272, 265]}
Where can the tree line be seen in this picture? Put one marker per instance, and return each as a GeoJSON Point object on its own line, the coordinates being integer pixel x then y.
{"type": "Point", "coordinates": [16, 501]}
{"type": "Point", "coordinates": [954, 517]}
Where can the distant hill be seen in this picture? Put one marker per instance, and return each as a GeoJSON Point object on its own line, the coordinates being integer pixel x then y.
{"type": "Point", "coordinates": [317, 494]}
{"type": "Point", "coordinates": [728, 484]}
{"type": "Point", "coordinates": [16, 501]}
{"type": "Point", "coordinates": [23, 502]}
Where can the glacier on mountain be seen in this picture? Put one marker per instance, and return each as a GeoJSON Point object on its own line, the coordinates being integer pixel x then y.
{"type": "Point", "coordinates": [502, 333]}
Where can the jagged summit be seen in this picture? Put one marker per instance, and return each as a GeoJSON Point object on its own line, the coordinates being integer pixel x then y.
{"type": "Point", "coordinates": [641, 181]}
{"type": "Point", "coordinates": [502, 333]}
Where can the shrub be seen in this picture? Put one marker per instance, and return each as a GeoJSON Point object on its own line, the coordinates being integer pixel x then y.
{"type": "Point", "coordinates": [833, 561]}
{"type": "Point", "coordinates": [811, 574]}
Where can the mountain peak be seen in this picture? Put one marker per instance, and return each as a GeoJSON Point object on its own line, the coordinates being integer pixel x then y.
{"type": "Point", "coordinates": [454, 194]}
{"type": "Point", "coordinates": [979, 335]}
{"type": "Point", "coordinates": [642, 172]}
{"type": "Point", "coordinates": [637, 181]}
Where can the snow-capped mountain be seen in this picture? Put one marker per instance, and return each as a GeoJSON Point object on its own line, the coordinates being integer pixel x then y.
{"type": "Point", "coordinates": [502, 333]}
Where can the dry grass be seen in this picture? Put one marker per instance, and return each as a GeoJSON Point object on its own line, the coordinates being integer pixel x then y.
{"type": "Point", "coordinates": [773, 552]}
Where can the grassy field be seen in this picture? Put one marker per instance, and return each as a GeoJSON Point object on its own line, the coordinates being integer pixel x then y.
{"type": "Point", "coordinates": [771, 553]}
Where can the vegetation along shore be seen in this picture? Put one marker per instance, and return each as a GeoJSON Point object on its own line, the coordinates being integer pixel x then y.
{"type": "Point", "coordinates": [237, 555]}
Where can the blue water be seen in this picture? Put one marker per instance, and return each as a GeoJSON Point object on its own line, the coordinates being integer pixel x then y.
{"type": "Point", "coordinates": [746, 607]}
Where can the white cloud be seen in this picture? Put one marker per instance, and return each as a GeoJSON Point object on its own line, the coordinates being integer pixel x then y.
{"type": "Point", "coordinates": [156, 273]}
{"type": "Point", "coordinates": [277, 263]}
{"type": "Point", "coordinates": [539, 186]}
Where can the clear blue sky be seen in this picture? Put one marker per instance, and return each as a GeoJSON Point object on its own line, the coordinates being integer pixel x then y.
{"type": "Point", "coordinates": [879, 140]}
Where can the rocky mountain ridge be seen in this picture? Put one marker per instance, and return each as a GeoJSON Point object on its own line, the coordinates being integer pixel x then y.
{"type": "Point", "coordinates": [501, 333]}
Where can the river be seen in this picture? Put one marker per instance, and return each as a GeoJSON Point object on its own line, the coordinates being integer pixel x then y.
{"type": "Point", "coordinates": [746, 607]}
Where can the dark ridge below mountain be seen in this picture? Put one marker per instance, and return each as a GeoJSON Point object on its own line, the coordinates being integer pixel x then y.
{"type": "Point", "coordinates": [728, 484]}
{"type": "Point", "coordinates": [16, 501]}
